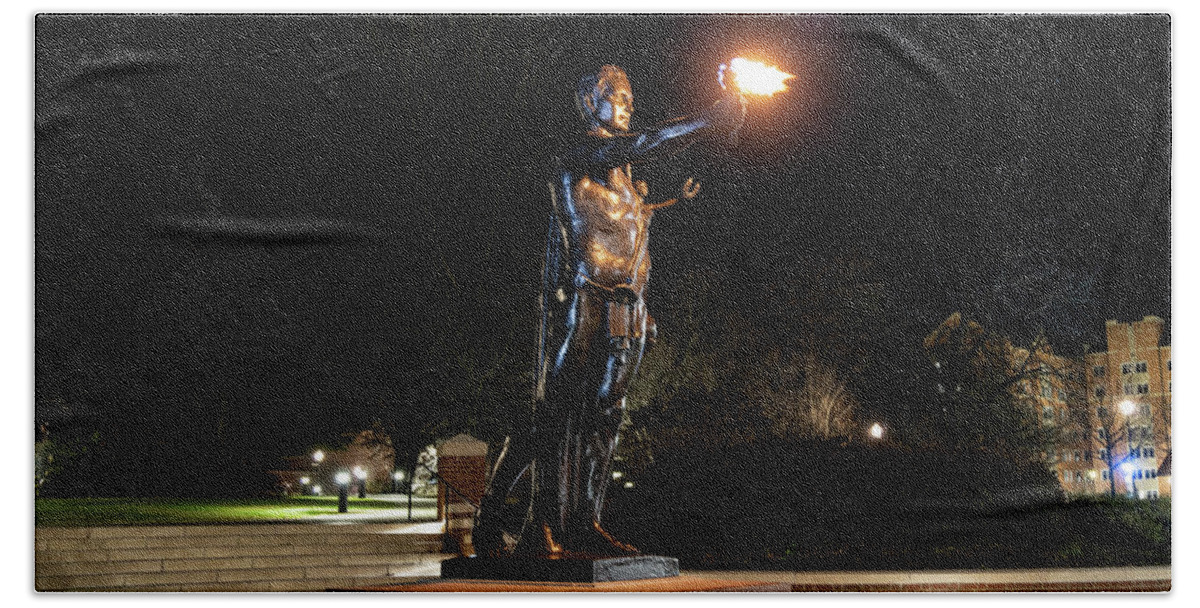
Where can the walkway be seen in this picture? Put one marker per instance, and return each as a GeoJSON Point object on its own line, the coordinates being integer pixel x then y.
{"type": "Point", "coordinates": [1142, 578]}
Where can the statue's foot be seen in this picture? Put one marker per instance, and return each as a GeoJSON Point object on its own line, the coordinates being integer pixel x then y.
{"type": "Point", "coordinates": [592, 540]}
{"type": "Point", "coordinates": [488, 540]}
{"type": "Point", "coordinates": [545, 544]}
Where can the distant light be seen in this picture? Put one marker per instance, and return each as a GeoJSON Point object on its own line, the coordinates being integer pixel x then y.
{"type": "Point", "coordinates": [318, 456]}
{"type": "Point", "coordinates": [628, 484]}
{"type": "Point", "coordinates": [317, 490]}
{"type": "Point", "coordinates": [342, 478]}
{"type": "Point", "coordinates": [877, 431]}
{"type": "Point", "coordinates": [304, 481]}
{"type": "Point", "coordinates": [360, 472]}
{"type": "Point", "coordinates": [618, 474]}
{"type": "Point", "coordinates": [398, 475]}
{"type": "Point", "coordinates": [1092, 474]}
{"type": "Point", "coordinates": [1128, 407]}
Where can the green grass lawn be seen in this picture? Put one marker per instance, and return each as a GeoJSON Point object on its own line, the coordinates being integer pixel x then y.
{"type": "Point", "coordinates": [168, 511]}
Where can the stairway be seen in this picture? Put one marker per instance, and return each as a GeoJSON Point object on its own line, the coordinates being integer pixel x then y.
{"type": "Point", "coordinates": [258, 557]}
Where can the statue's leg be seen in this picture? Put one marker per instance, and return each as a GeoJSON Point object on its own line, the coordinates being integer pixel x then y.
{"type": "Point", "coordinates": [557, 450]}
{"type": "Point", "coordinates": [607, 407]}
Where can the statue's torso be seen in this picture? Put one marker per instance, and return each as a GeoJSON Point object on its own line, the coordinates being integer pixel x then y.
{"type": "Point", "coordinates": [609, 225]}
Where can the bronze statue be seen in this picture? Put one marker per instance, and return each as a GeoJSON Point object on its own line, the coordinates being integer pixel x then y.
{"type": "Point", "coordinates": [595, 325]}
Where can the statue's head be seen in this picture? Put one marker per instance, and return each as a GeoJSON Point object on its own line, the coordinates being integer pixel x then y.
{"type": "Point", "coordinates": [605, 98]}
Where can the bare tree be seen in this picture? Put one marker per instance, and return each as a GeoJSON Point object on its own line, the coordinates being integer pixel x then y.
{"type": "Point", "coordinates": [803, 397]}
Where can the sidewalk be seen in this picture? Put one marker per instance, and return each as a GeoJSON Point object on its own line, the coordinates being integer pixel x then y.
{"type": "Point", "coordinates": [1142, 578]}
{"type": "Point", "coordinates": [424, 509]}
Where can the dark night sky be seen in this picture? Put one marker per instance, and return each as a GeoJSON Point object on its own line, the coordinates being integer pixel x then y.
{"type": "Point", "coordinates": [273, 215]}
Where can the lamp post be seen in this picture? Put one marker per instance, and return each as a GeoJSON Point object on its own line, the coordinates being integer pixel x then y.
{"type": "Point", "coordinates": [317, 458]}
{"type": "Point", "coordinates": [876, 431]}
{"type": "Point", "coordinates": [361, 475]}
{"type": "Point", "coordinates": [343, 481]}
{"type": "Point", "coordinates": [397, 477]}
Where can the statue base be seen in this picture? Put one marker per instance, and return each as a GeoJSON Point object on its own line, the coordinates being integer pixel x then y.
{"type": "Point", "coordinates": [561, 570]}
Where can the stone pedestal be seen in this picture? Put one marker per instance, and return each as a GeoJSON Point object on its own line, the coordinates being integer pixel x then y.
{"type": "Point", "coordinates": [565, 570]}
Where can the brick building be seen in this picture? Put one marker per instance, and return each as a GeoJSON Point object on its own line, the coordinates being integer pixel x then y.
{"type": "Point", "coordinates": [1129, 408]}
{"type": "Point", "coordinates": [1106, 416]}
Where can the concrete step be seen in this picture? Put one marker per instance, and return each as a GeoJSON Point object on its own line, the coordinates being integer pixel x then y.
{"type": "Point", "coordinates": [316, 578]}
{"type": "Point", "coordinates": [230, 563]}
{"type": "Point", "coordinates": [272, 557]}
{"type": "Point", "coordinates": [133, 544]}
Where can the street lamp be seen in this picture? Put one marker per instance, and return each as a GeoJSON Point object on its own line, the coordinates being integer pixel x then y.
{"type": "Point", "coordinates": [1128, 407]}
{"type": "Point", "coordinates": [343, 481]}
{"type": "Point", "coordinates": [317, 456]}
{"type": "Point", "coordinates": [876, 431]}
{"type": "Point", "coordinates": [397, 477]}
{"type": "Point", "coordinates": [361, 475]}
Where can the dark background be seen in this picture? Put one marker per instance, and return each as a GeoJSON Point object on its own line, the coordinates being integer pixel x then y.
{"type": "Point", "coordinates": [256, 233]}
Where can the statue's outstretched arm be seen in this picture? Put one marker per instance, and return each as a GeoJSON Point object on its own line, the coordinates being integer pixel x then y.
{"type": "Point", "coordinates": [664, 139]}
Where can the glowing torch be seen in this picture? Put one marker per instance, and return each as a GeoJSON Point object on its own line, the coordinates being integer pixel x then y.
{"type": "Point", "coordinates": [753, 77]}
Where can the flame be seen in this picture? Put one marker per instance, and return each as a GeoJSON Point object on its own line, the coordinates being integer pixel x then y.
{"type": "Point", "coordinates": [757, 78]}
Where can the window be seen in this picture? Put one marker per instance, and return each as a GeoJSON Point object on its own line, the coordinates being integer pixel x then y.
{"type": "Point", "coordinates": [1078, 456]}
{"type": "Point", "coordinates": [1104, 474]}
{"type": "Point", "coordinates": [1101, 434]}
{"type": "Point", "coordinates": [1101, 411]}
{"type": "Point", "coordinates": [1062, 395]}
{"type": "Point", "coordinates": [1098, 370]}
{"type": "Point", "coordinates": [1153, 473]}
{"type": "Point", "coordinates": [1135, 453]}
{"type": "Point", "coordinates": [1103, 454]}
{"type": "Point", "coordinates": [1145, 409]}
{"type": "Point", "coordinates": [1046, 391]}
{"type": "Point", "coordinates": [1143, 389]}
{"type": "Point", "coordinates": [1148, 452]}
{"type": "Point", "coordinates": [1078, 476]}
{"type": "Point", "coordinates": [1098, 391]}
{"type": "Point", "coordinates": [1128, 389]}
{"type": "Point", "coordinates": [1168, 365]}
{"type": "Point", "coordinates": [1152, 494]}
{"type": "Point", "coordinates": [1140, 367]}
{"type": "Point", "coordinates": [1126, 368]}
